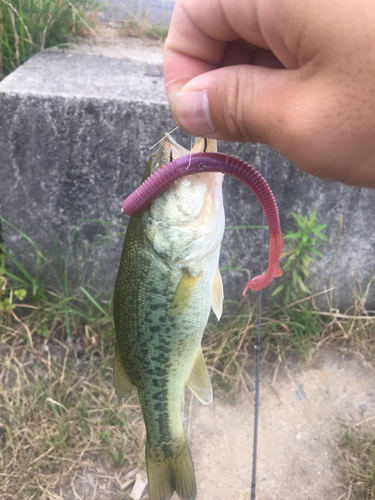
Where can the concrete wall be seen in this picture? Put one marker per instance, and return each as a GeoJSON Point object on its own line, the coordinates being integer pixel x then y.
{"type": "Point", "coordinates": [75, 129]}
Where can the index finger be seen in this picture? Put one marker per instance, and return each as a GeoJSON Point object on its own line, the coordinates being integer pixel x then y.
{"type": "Point", "coordinates": [197, 39]}
{"type": "Point", "coordinates": [201, 30]}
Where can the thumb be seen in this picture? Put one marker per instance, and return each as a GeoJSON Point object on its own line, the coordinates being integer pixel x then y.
{"type": "Point", "coordinates": [236, 103]}
{"type": "Point", "coordinates": [298, 116]}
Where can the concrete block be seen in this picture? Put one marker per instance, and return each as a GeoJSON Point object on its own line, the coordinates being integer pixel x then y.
{"type": "Point", "coordinates": [76, 126]}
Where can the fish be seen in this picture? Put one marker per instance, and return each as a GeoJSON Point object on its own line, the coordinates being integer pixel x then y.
{"type": "Point", "coordinates": [168, 281]}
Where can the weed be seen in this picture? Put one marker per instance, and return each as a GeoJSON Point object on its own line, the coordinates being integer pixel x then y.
{"type": "Point", "coordinates": [30, 26]}
{"type": "Point", "coordinates": [299, 260]}
{"type": "Point", "coordinates": [30, 281]}
{"type": "Point", "coordinates": [9, 297]}
{"type": "Point", "coordinates": [8, 304]}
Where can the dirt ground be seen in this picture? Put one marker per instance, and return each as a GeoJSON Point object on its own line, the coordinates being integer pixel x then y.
{"type": "Point", "coordinates": [303, 413]}
{"type": "Point", "coordinates": [303, 410]}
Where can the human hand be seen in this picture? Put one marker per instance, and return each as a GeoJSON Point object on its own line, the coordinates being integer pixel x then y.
{"type": "Point", "coordinates": [299, 76]}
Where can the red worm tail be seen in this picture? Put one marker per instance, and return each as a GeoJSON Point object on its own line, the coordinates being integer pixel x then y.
{"type": "Point", "coordinates": [158, 182]}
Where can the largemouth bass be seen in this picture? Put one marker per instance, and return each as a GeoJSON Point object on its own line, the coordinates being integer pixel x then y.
{"type": "Point", "coordinates": [167, 282]}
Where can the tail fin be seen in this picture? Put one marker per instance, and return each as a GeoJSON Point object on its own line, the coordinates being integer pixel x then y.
{"type": "Point", "coordinates": [169, 474]}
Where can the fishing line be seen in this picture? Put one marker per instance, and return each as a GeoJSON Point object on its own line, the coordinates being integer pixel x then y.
{"type": "Point", "coordinates": [191, 151]}
{"type": "Point", "coordinates": [162, 139]}
{"type": "Point", "coordinates": [166, 85]}
{"type": "Point", "coordinates": [257, 347]}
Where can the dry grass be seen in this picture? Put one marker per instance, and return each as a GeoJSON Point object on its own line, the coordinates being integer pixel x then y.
{"type": "Point", "coordinates": [64, 433]}
{"type": "Point", "coordinates": [133, 27]}
{"type": "Point", "coordinates": [292, 332]}
{"type": "Point", "coordinates": [357, 458]}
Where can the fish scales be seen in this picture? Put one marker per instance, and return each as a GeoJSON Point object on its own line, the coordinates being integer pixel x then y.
{"type": "Point", "coordinates": [163, 296]}
{"type": "Point", "coordinates": [158, 346]}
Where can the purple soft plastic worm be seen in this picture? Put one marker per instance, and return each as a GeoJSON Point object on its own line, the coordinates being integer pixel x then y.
{"type": "Point", "coordinates": [195, 163]}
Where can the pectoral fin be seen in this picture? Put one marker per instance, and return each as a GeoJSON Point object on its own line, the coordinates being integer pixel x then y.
{"type": "Point", "coordinates": [199, 381]}
{"type": "Point", "coordinates": [217, 297]}
{"type": "Point", "coordinates": [121, 380]}
{"type": "Point", "coordinates": [183, 293]}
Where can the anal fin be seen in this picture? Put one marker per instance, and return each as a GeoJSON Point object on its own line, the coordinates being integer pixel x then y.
{"type": "Point", "coordinates": [199, 381]}
{"type": "Point", "coordinates": [121, 381]}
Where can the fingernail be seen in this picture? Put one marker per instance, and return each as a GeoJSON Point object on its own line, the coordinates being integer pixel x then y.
{"type": "Point", "coordinates": [191, 111]}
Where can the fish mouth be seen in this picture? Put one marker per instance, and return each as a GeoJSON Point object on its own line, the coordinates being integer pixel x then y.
{"type": "Point", "coordinates": [186, 222]}
{"type": "Point", "coordinates": [169, 150]}
{"type": "Point", "coordinates": [210, 183]}
{"type": "Point", "coordinates": [183, 227]}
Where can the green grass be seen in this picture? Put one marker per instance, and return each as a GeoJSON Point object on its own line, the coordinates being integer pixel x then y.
{"type": "Point", "coordinates": [31, 26]}
{"type": "Point", "coordinates": [73, 306]}
{"type": "Point", "coordinates": [299, 257]}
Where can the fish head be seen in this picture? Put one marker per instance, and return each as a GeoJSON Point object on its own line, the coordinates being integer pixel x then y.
{"type": "Point", "coordinates": [186, 222]}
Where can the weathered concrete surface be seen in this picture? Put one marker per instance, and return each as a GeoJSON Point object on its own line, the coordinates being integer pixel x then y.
{"type": "Point", "coordinates": [75, 129]}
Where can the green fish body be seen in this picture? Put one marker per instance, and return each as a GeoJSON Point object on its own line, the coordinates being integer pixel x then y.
{"type": "Point", "coordinates": [167, 282]}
